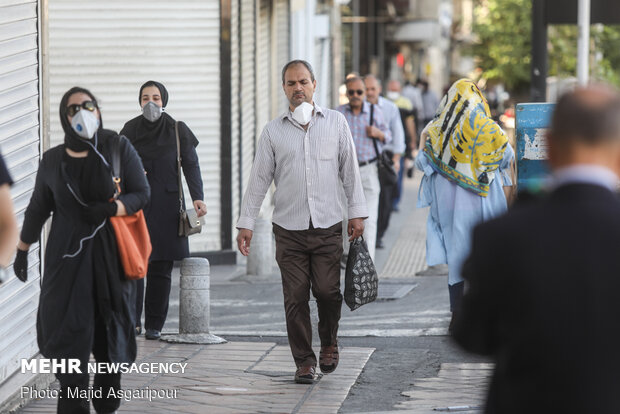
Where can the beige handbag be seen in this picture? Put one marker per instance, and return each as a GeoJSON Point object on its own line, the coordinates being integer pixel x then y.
{"type": "Point", "coordinates": [189, 222]}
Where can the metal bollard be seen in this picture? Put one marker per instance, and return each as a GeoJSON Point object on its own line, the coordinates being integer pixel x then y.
{"type": "Point", "coordinates": [194, 311]}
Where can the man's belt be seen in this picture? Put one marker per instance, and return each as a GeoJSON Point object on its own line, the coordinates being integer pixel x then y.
{"type": "Point", "coordinates": [361, 164]}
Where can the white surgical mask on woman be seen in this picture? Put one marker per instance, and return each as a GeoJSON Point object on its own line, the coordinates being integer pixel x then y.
{"type": "Point", "coordinates": [151, 111]}
{"type": "Point", "coordinates": [85, 123]}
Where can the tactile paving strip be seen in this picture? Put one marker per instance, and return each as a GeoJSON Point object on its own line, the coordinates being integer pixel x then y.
{"type": "Point", "coordinates": [409, 252]}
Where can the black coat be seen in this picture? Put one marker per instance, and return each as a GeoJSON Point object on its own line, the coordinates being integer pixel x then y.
{"type": "Point", "coordinates": [543, 298]}
{"type": "Point", "coordinates": [162, 211]}
{"type": "Point", "coordinates": [68, 300]}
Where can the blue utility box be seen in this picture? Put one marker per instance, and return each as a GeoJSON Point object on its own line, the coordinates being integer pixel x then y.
{"type": "Point", "coordinates": [532, 122]}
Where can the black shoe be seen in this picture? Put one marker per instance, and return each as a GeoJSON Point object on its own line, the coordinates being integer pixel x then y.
{"type": "Point", "coordinates": [152, 334]}
{"type": "Point", "coordinates": [379, 244]}
{"type": "Point", "coordinates": [138, 330]}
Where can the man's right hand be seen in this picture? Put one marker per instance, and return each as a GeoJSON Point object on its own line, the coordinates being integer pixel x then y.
{"type": "Point", "coordinates": [243, 241]}
{"type": "Point", "coordinates": [20, 265]}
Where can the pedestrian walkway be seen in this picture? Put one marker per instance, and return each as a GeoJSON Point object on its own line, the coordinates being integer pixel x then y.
{"type": "Point", "coordinates": [236, 377]}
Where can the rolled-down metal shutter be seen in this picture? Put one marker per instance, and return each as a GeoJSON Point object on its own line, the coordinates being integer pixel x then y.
{"type": "Point", "coordinates": [281, 51]}
{"type": "Point", "coordinates": [234, 110]}
{"type": "Point", "coordinates": [20, 146]}
{"type": "Point", "coordinates": [263, 64]}
{"type": "Point", "coordinates": [113, 47]}
{"type": "Point", "coordinates": [247, 89]}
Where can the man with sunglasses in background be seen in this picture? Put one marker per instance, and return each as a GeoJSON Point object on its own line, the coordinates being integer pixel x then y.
{"type": "Point", "coordinates": [365, 129]}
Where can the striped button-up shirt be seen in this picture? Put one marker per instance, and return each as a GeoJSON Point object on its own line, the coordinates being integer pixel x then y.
{"type": "Point", "coordinates": [364, 146]}
{"type": "Point", "coordinates": [309, 168]}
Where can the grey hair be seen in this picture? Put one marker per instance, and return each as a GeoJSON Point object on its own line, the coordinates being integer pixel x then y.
{"type": "Point", "coordinates": [298, 62]}
{"type": "Point", "coordinates": [353, 79]}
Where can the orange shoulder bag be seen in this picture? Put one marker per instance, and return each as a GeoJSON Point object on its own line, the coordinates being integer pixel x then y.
{"type": "Point", "coordinates": [132, 235]}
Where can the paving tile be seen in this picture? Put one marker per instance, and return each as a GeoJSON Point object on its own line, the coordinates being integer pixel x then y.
{"type": "Point", "coordinates": [218, 379]}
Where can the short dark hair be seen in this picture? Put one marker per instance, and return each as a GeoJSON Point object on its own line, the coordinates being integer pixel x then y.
{"type": "Point", "coordinates": [588, 115]}
{"type": "Point", "coordinates": [351, 79]}
{"type": "Point", "coordinates": [298, 62]}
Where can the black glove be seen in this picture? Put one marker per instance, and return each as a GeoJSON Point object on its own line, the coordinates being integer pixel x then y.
{"type": "Point", "coordinates": [95, 213]}
{"type": "Point", "coordinates": [20, 265]}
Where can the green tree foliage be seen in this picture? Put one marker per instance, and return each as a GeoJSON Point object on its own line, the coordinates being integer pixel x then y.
{"type": "Point", "coordinates": [607, 41]}
{"type": "Point", "coordinates": [503, 48]}
{"type": "Point", "coordinates": [504, 37]}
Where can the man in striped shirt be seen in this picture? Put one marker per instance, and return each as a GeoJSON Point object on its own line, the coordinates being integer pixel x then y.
{"type": "Point", "coordinates": [309, 153]}
{"type": "Point", "coordinates": [366, 130]}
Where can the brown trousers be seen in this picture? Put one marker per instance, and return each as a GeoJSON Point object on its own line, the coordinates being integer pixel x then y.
{"type": "Point", "coordinates": [310, 259]}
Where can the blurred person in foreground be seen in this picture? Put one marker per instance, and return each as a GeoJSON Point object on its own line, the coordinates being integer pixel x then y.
{"type": "Point", "coordinates": [8, 225]}
{"type": "Point", "coordinates": [542, 280]}
{"type": "Point", "coordinates": [466, 161]}
{"type": "Point", "coordinates": [86, 303]}
{"type": "Point", "coordinates": [394, 150]}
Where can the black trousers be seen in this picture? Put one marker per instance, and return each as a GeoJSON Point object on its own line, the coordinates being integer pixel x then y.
{"type": "Point", "coordinates": [158, 282]}
{"type": "Point", "coordinates": [386, 205]}
{"type": "Point", "coordinates": [77, 382]}
{"type": "Point", "coordinates": [456, 296]}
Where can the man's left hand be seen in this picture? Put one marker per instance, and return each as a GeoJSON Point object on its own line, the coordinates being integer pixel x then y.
{"type": "Point", "coordinates": [355, 228]}
{"type": "Point", "coordinates": [200, 207]}
{"type": "Point", "coordinates": [374, 132]}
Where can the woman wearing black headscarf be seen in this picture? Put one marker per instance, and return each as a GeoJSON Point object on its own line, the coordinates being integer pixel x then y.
{"type": "Point", "coordinates": [153, 136]}
{"type": "Point", "coordinates": [86, 303]}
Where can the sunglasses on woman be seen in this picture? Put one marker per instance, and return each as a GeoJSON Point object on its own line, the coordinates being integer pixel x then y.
{"type": "Point", "coordinates": [75, 108]}
{"type": "Point", "coordinates": [353, 92]}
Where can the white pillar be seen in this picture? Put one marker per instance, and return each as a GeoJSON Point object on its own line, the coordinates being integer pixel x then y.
{"type": "Point", "coordinates": [583, 44]}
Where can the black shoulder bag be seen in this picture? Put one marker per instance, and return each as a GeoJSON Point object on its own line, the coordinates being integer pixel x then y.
{"type": "Point", "coordinates": [385, 165]}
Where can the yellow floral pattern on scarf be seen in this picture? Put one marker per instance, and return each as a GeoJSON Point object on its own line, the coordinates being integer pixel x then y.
{"type": "Point", "coordinates": [464, 143]}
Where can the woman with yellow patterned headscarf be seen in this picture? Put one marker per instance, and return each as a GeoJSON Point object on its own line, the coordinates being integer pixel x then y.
{"type": "Point", "coordinates": [466, 160]}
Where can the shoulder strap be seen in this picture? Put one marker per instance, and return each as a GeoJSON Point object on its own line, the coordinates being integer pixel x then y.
{"type": "Point", "coordinates": [116, 165]}
{"type": "Point", "coordinates": [372, 120]}
{"type": "Point", "coordinates": [372, 114]}
{"type": "Point", "coordinates": [180, 179]}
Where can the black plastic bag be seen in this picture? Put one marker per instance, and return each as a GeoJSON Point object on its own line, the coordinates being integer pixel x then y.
{"type": "Point", "coordinates": [361, 281]}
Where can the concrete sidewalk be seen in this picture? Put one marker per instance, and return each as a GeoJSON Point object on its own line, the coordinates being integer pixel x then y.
{"type": "Point", "coordinates": [236, 377]}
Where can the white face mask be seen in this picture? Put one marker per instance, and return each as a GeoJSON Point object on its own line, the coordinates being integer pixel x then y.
{"type": "Point", "coordinates": [303, 113]}
{"type": "Point", "coordinates": [152, 111]}
{"type": "Point", "coordinates": [392, 95]}
{"type": "Point", "coordinates": [85, 123]}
